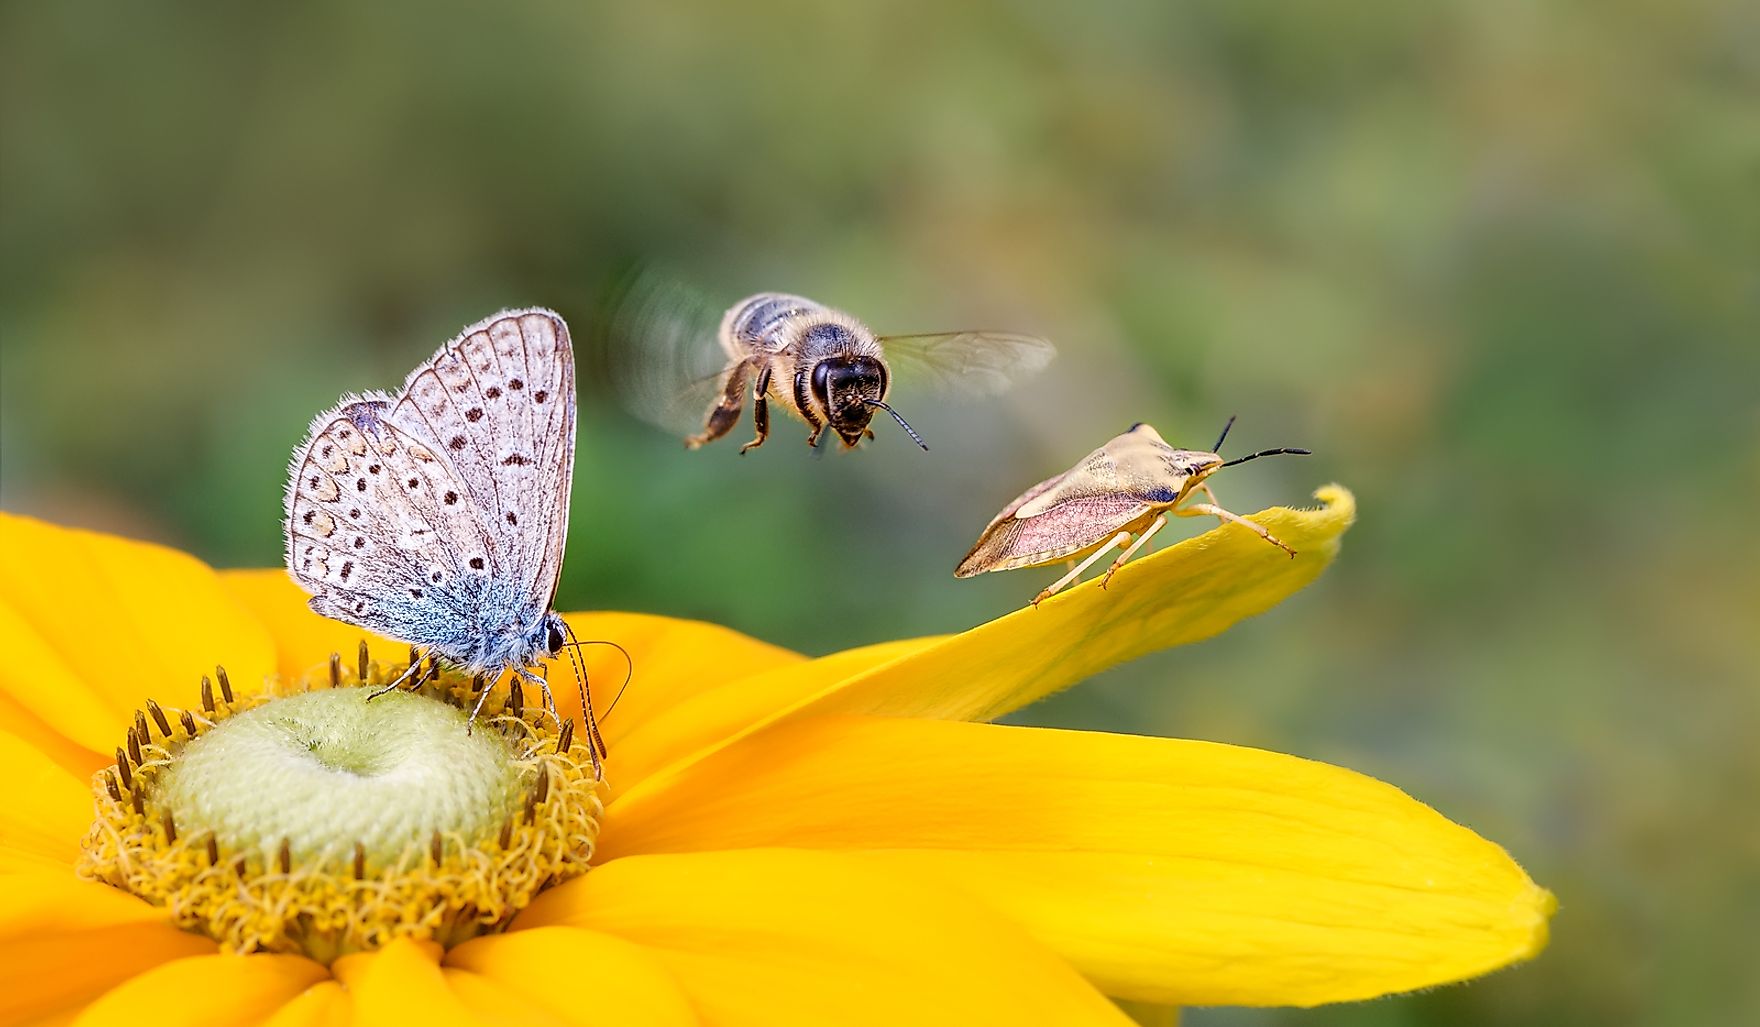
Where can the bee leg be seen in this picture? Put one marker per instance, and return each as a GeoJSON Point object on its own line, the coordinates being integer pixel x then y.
{"type": "Point", "coordinates": [760, 409]}
{"type": "Point", "coordinates": [813, 439]}
{"type": "Point", "coordinates": [1201, 509]}
{"type": "Point", "coordinates": [1057, 586]}
{"type": "Point", "coordinates": [1148, 533]}
{"type": "Point", "coordinates": [868, 433]}
{"type": "Point", "coordinates": [725, 413]}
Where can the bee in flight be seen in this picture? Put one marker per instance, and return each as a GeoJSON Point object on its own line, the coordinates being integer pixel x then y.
{"type": "Point", "coordinates": [815, 362]}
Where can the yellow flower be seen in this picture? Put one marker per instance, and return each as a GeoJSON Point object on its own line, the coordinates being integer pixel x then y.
{"type": "Point", "coordinates": [784, 840]}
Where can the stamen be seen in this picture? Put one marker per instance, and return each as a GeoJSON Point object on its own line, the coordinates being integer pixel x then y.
{"type": "Point", "coordinates": [335, 670]}
{"type": "Point", "coordinates": [158, 714]}
{"type": "Point", "coordinates": [171, 832]}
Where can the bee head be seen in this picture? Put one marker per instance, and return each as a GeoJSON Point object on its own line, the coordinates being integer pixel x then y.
{"type": "Point", "coordinates": [848, 389]}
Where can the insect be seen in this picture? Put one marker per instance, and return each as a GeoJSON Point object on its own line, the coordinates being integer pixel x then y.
{"type": "Point", "coordinates": [656, 343]}
{"type": "Point", "coordinates": [831, 371]}
{"type": "Point", "coordinates": [437, 515]}
{"type": "Point", "coordinates": [1122, 490]}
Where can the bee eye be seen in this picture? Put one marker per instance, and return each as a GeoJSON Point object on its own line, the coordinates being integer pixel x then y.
{"type": "Point", "coordinates": [822, 382]}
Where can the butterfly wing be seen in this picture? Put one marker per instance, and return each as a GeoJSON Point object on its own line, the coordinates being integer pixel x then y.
{"type": "Point", "coordinates": [499, 401]}
{"type": "Point", "coordinates": [980, 363]}
{"type": "Point", "coordinates": [439, 516]}
{"type": "Point", "coordinates": [379, 528]}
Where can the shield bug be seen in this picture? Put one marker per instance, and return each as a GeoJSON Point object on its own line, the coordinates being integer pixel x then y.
{"type": "Point", "coordinates": [1118, 495]}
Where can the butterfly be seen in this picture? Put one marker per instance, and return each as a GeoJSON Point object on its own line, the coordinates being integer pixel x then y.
{"type": "Point", "coordinates": [437, 515]}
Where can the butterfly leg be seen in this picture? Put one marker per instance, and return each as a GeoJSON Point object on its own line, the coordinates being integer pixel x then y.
{"type": "Point", "coordinates": [415, 665]}
{"type": "Point", "coordinates": [478, 708]}
{"type": "Point", "coordinates": [1057, 586]}
{"type": "Point", "coordinates": [1201, 509]}
{"type": "Point", "coordinates": [725, 413]}
{"type": "Point", "coordinates": [1148, 533]}
{"type": "Point", "coordinates": [760, 410]}
{"type": "Point", "coordinates": [543, 688]}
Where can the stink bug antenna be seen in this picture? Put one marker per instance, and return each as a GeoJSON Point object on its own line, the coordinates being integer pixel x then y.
{"type": "Point", "coordinates": [1268, 452]}
{"type": "Point", "coordinates": [1218, 447]}
{"type": "Point", "coordinates": [902, 423]}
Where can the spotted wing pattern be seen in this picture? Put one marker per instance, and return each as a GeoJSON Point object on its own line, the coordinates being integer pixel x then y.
{"type": "Point", "coordinates": [438, 515]}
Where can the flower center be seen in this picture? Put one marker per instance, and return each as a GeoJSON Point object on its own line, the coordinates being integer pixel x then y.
{"type": "Point", "coordinates": [313, 820]}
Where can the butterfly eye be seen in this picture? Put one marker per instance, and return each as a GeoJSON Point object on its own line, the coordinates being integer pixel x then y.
{"type": "Point", "coordinates": [553, 640]}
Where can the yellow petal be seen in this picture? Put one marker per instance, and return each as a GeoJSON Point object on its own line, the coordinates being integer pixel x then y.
{"type": "Point", "coordinates": [324, 1004]}
{"type": "Point", "coordinates": [1166, 870]}
{"type": "Point", "coordinates": [110, 623]}
{"type": "Point", "coordinates": [303, 640]}
{"type": "Point", "coordinates": [206, 991]}
{"type": "Point", "coordinates": [64, 942]}
{"type": "Point", "coordinates": [674, 660]}
{"type": "Point", "coordinates": [45, 700]}
{"type": "Point", "coordinates": [773, 938]}
{"type": "Point", "coordinates": [701, 720]}
{"type": "Point", "coordinates": [489, 1002]}
{"type": "Point", "coordinates": [47, 809]}
{"type": "Point", "coordinates": [402, 983]}
{"type": "Point", "coordinates": [579, 977]}
{"type": "Point", "coordinates": [1184, 593]}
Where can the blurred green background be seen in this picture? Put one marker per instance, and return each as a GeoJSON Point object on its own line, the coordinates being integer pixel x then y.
{"type": "Point", "coordinates": [1497, 263]}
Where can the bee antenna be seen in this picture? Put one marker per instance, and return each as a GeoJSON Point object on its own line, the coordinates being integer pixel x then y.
{"type": "Point", "coordinates": [902, 423]}
{"type": "Point", "coordinates": [1218, 447]}
{"type": "Point", "coordinates": [1268, 452]}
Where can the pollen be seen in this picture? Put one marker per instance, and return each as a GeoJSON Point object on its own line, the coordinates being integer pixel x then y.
{"type": "Point", "coordinates": [322, 819]}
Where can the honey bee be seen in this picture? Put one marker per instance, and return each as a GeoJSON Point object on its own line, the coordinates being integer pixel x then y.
{"type": "Point", "coordinates": [1123, 489]}
{"type": "Point", "coordinates": [817, 363]}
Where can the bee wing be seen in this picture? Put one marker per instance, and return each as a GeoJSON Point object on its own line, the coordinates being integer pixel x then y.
{"type": "Point", "coordinates": [982, 363]}
{"type": "Point", "coordinates": [655, 344]}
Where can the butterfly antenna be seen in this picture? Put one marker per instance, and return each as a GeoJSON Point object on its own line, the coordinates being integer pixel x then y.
{"type": "Point", "coordinates": [595, 741]}
{"type": "Point", "coordinates": [1218, 447]}
{"type": "Point", "coordinates": [902, 423]}
{"type": "Point", "coordinates": [1268, 452]}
